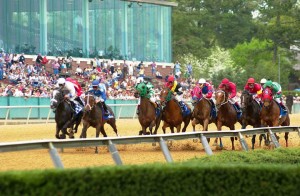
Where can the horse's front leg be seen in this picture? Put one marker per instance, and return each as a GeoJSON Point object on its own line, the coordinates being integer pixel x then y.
{"type": "Point", "coordinates": [232, 138]}
{"type": "Point", "coordinates": [219, 128]}
{"type": "Point", "coordinates": [194, 123]}
{"type": "Point", "coordinates": [286, 137]}
{"type": "Point", "coordinates": [57, 132]}
{"type": "Point", "coordinates": [84, 129]}
{"type": "Point", "coordinates": [253, 141]}
{"type": "Point", "coordinates": [165, 125]}
{"type": "Point", "coordinates": [178, 128]}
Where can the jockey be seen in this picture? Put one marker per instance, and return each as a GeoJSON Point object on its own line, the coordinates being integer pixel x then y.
{"type": "Point", "coordinates": [276, 91]}
{"type": "Point", "coordinates": [100, 95]}
{"type": "Point", "coordinates": [72, 94]}
{"type": "Point", "coordinates": [262, 82]}
{"type": "Point", "coordinates": [205, 90]}
{"type": "Point", "coordinates": [147, 92]}
{"type": "Point", "coordinates": [230, 88]}
{"type": "Point", "coordinates": [176, 88]}
{"type": "Point", "coordinates": [255, 89]}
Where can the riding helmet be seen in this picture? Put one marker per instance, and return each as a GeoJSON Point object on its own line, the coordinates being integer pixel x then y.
{"type": "Point", "coordinates": [171, 79]}
{"type": "Point", "coordinates": [95, 83]}
{"type": "Point", "coordinates": [263, 81]}
{"type": "Point", "coordinates": [202, 81]}
{"type": "Point", "coordinates": [61, 81]}
{"type": "Point", "coordinates": [251, 81]}
{"type": "Point", "coordinates": [225, 81]}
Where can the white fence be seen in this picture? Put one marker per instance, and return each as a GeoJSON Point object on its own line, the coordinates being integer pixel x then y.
{"type": "Point", "coordinates": [160, 138]}
{"type": "Point", "coordinates": [29, 119]}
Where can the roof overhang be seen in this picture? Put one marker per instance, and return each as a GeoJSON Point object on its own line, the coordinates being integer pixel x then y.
{"type": "Point", "coordinates": [155, 2]}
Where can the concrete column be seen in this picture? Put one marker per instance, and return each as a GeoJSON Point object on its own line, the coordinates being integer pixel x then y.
{"type": "Point", "coordinates": [85, 37]}
{"type": "Point", "coordinates": [125, 31]}
{"type": "Point", "coordinates": [43, 27]}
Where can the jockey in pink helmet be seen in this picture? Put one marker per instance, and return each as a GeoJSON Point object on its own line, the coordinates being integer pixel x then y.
{"type": "Point", "coordinates": [176, 88]}
{"type": "Point", "coordinates": [230, 88]}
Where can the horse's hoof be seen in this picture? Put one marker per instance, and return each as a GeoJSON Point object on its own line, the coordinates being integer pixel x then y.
{"type": "Point", "coordinates": [57, 136]}
{"type": "Point", "coordinates": [140, 132]}
{"type": "Point", "coordinates": [72, 137]}
{"type": "Point", "coordinates": [62, 136]}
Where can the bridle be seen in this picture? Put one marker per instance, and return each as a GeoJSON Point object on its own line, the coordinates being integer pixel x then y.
{"type": "Point", "coordinates": [224, 98]}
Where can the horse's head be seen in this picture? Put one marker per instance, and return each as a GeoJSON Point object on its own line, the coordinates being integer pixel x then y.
{"type": "Point", "coordinates": [56, 98]}
{"type": "Point", "coordinates": [141, 90]}
{"type": "Point", "coordinates": [165, 96]}
{"type": "Point", "coordinates": [246, 99]}
{"type": "Point", "coordinates": [90, 102]}
{"type": "Point", "coordinates": [267, 97]}
{"type": "Point", "coordinates": [221, 98]}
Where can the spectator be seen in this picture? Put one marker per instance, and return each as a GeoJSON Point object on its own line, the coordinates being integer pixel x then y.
{"type": "Point", "coordinates": [22, 59]}
{"type": "Point", "coordinates": [290, 102]}
{"type": "Point", "coordinates": [38, 60]}
{"type": "Point", "coordinates": [78, 71]}
{"type": "Point", "coordinates": [153, 68]}
{"type": "Point", "coordinates": [176, 67]}
{"type": "Point", "coordinates": [189, 69]}
{"type": "Point", "coordinates": [158, 75]}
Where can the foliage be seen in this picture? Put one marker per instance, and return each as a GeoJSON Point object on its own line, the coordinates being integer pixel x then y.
{"type": "Point", "coordinates": [256, 58]}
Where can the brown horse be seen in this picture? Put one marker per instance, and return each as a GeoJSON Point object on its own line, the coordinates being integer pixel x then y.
{"type": "Point", "coordinates": [93, 116]}
{"type": "Point", "coordinates": [172, 115]}
{"type": "Point", "coordinates": [251, 114]}
{"type": "Point", "coordinates": [227, 115]}
{"type": "Point", "coordinates": [147, 116]}
{"type": "Point", "coordinates": [270, 113]}
{"type": "Point", "coordinates": [202, 114]}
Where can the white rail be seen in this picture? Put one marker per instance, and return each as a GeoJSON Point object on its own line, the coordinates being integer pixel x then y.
{"type": "Point", "coordinates": [29, 119]}
{"type": "Point", "coordinates": [160, 138]}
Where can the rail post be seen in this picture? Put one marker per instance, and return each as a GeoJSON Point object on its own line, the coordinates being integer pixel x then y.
{"type": "Point", "coordinates": [114, 153]}
{"type": "Point", "coordinates": [274, 139]}
{"type": "Point", "coordinates": [243, 142]}
{"type": "Point", "coordinates": [205, 144]}
{"type": "Point", "coordinates": [55, 157]}
{"type": "Point", "coordinates": [165, 150]}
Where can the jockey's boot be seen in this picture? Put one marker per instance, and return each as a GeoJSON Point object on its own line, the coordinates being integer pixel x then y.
{"type": "Point", "coordinates": [238, 107]}
{"type": "Point", "coordinates": [138, 110]}
{"type": "Point", "coordinates": [73, 105]}
{"type": "Point", "coordinates": [106, 113]}
{"type": "Point", "coordinates": [212, 103]}
{"type": "Point", "coordinates": [283, 106]}
{"type": "Point", "coordinates": [182, 106]}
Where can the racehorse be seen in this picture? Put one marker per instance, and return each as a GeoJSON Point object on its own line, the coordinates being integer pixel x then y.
{"type": "Point", "coordinates": [270, 113]}
{"type": "Point", "coordinates": [172, 115]}
{"type": "Point", "coordinates": [227, 115]}
{"type": "Point", "coordinates": [251, 114]}
{"type": "Point", "coordinates": [147, 114]}
{"type": "Point", "coordinates": [202, 114]}
{"type": "Point", "coordinates": [93, 116]}
{"type": "Point", "coordinates": [64, 115]}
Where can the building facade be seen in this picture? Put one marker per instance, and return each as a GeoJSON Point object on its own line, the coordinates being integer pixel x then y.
{"type": "Point", "coordinates": [119, 29]}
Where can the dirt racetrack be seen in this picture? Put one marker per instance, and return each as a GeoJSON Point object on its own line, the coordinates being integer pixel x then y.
{"type": "Point", "coordinates": [130, 154]}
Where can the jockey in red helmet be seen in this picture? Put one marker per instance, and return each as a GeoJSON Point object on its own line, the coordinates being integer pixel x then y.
{"type": "Point", "coordinates": [230, 88]}
{"type": "Point", "coordinates": [176, 88]}
{"type": "Point", "coordinates": [254, 88]}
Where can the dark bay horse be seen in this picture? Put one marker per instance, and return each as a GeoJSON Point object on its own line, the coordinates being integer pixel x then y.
{"type": "Point", "coordinates": [251, 114]}
{"type": "Point", "coordinates": [172, 115]}
{"type": "Point", "coordinates": [270, 113]}
{"type": "Point", "coordinates": [202, 114]}
{"type": "Point", "coordinates": [93, 116]}
{"type": "Point", "coordinates": [147, 114]}
{"type": "Point", "coordinates": [64, 115]}
{"type": "Point", "coordinates": [227, 115]}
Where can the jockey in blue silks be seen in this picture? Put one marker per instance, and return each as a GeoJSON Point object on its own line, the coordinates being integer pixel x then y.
{"type": "Point", "coordinates": [99, 93]}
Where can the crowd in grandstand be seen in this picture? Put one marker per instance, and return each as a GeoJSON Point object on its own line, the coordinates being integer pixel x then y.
{"type": "Point", "coordinates": [20, 79]}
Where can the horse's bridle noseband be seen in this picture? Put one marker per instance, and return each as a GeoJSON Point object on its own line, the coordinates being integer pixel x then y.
{"type": "Point", "coordinates": [224, 101]}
